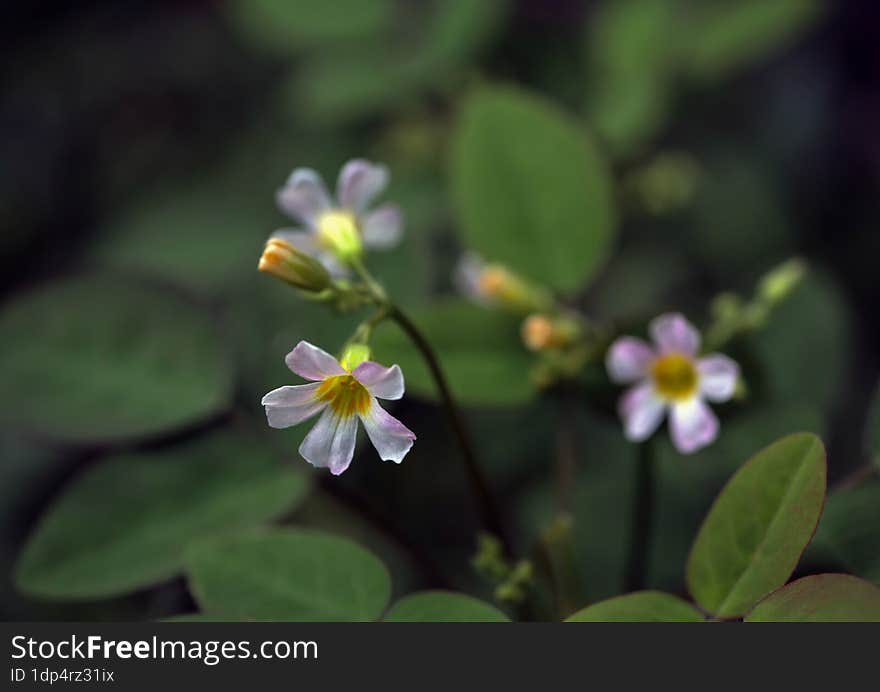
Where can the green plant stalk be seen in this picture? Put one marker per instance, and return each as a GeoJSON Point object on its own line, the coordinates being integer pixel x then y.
{"type": "Point", "coordinates": [487, 506]}
{"type": "Point", "coordinates": [642, 518]}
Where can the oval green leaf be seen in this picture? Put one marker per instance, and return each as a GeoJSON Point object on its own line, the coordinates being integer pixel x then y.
{"type": "Point", "coordinates": [443, 606]}
{"type": "Point", "coordinates": [849, 532]}
{"type": "Point", "coordinates": [480, 351]}
{"type": "Point", "coordinates": [724, 37]}
{"type": "Point", "coordinates": [641, 606]}
{"type": "Point", "coordinates": [759, 525]}
{"type": "Point", "coordinates": [98, 358]}
{"type": "Point", "coordinates": [821, 598]}
{"type": "Point", "coordinates": [530, 189]}
{"type": "Point", "coordinates": [288, 574]}
{"type": "Point", "coordinates": [124, 524]}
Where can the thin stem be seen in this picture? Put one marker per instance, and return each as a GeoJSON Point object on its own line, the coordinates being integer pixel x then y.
{"type": "Point", "coordinates": [566, 452]}
{"type": "Point", "coordinates": [489, 512]}
{"type": "Point", "coordinates": [642, 519]}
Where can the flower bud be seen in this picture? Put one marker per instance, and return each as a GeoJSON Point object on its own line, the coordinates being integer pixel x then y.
{"type": "Point", "coordinates": [283, 260]}
{"type": "Point", "coordinates": [541, 332]}
{"type": "Point", "coordinates": [778, 283]}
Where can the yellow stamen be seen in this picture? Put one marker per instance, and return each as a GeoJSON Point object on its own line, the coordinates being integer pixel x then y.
{"type": "Point", "coordinates": [345, 395]}
{"type": "Point", "coordinates": [675, 376]}
{"type": "Point", "coordinates": [538, 333]}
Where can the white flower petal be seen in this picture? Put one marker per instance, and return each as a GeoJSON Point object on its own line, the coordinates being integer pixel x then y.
{"type": "Point", "coordinates": [672, 333]}
{"type": "Point", "coordinates": [290, 405]}
{"type": "Point", "coordinates": [391, 438]}
{"type": "Point", "coordinates": [628, 360]}
{"type": "Point", "coordinates": [359, 182]}
{"type": "Point", "coordinates": [692, 425]}
{"type": "Point", "coordinates": [641, 411]}
{"type": "Point", "coordinates": [304, 196]}
{"type": "Point", "coordinates": [382, 228]}
{"type": "Point", "coordinates": [718, 377]}
{"type": "Point", "coordinates": [330, 444]}
{"type": "Point", "coordinates": [312, 363]}
{"type": "Point", "coordinates": [381, 382]}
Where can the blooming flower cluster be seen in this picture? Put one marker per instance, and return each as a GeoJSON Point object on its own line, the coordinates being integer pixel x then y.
{"type": "Point", "coordinates": [335, 231]}
{"type": "Point", "coordinates": [343, 393]}
{"type": "Point", "coordinates": [670, 378]}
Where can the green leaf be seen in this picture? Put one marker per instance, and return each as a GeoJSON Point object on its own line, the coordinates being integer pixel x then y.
{"type": "Point", "coordinates": [723, 37]}
{"type": "Point", "coordinates": [479, 350]}
{"type": "Point", "coordinates": [124, 524]}
{"type": "Point", "coordinates": [530, 189]}
{"type": "Point", "coordinates": [631, 57]}
{"type": "Point", "coordinates": [287, 25]}
{"type": "Point", "coordinates": [443, 606]}
{"type": "Point", "coordinates": [288, 574]}
{"type": "Point", "coordinates": [792, 351]}
{"type": "Point", "coordinates": [821, 598]}
{"type": "Point", "coordinates": [641, 606]}
{"type": "Point", "coordinates": [850, 529]}
{"type": "Point", "coordinates": [98, 358]}
{"type": "Point", "coordinates": [759, 525]}
{"type": "Point", "coordinates": [341, 85]}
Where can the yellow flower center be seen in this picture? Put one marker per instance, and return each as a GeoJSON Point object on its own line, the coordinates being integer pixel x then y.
{"type": "Point", "coordinates": [338, 232]}
{"type": "Point", "coordinates": [675, 376]}
{"type": "Point", "coordinates": [345, 395]}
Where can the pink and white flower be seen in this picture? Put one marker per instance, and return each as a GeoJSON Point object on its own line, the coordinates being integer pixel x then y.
{"type": "Point", "coordinates": [670, 378]}
{"type": "Point", "coordinates": [342, 397]}
{"type": "Point", "coordinates": [336, 230]}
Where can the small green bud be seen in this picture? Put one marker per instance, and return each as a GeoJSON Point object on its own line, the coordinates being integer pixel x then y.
{"type": "Point", "coordinates": [779, 283]}
{"type": "Point", "coordinates": [280, 258]}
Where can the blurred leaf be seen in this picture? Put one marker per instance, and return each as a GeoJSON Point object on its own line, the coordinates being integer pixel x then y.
{"type": "Point", "coordinates": [288, 574]}
{"type": "Point", "coordinates": [600, 500]}
{"type": "Point", "coordinates": [794, 351]}
{"type": "Point", "coordinates": [730, 236]}
{"type": "Point", "coordinates": [850, 529]}
{"type": "Point", "coordinates": [480, 352]}
{"type": "Point", "coordinates": [287, 25]}
{"type": "Point", "coordinates": [760, 524]}
{"type": "Point", "coordinates": [341, 85]}
{"type": "Point", "coordinates": [687, 484]}
{"type": "Point", "coordinates": [530, 189]}
{"type": "Point", "coordinates": [443, 606]}
{"type": "Point", "coordinates": [723, 36]}
{"type": "Point", "coordinates": [641, 606]}
{"type": "Point", "coordinates": [631, 57]}
{"type": "Point", "coordinates": [821, 598]}
{"type": "Point", "coordinates": [124, 524]}
{"type": "Point", "coordinates": [98, 358]}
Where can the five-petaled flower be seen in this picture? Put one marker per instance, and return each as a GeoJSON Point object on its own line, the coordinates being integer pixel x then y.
{"type": "Point", "coordinates": [336, 231]}
{"type": "Point", "coordinates": [671, 377]}
{"type": "Point", "coordinates": [344, 392]}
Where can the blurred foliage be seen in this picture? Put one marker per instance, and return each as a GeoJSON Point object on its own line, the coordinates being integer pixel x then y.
{"type": "Point", "coordinates": [633, 156]}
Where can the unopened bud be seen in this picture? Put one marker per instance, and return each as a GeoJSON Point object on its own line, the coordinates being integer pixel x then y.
{"type": "Point", "coordinates": [502, 286]}
{"type": "Point", "coordinates": [540, 332]}
{"type": "Point", "coordinates": [282, 259]}
{"type": "Point", "coordinates": [779, 282]}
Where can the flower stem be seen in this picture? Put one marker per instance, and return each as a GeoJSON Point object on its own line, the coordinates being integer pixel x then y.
{"type": "Point", "coordinates": [488, 507]}
{"type": "Point", "coordinates": [642, 518]}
